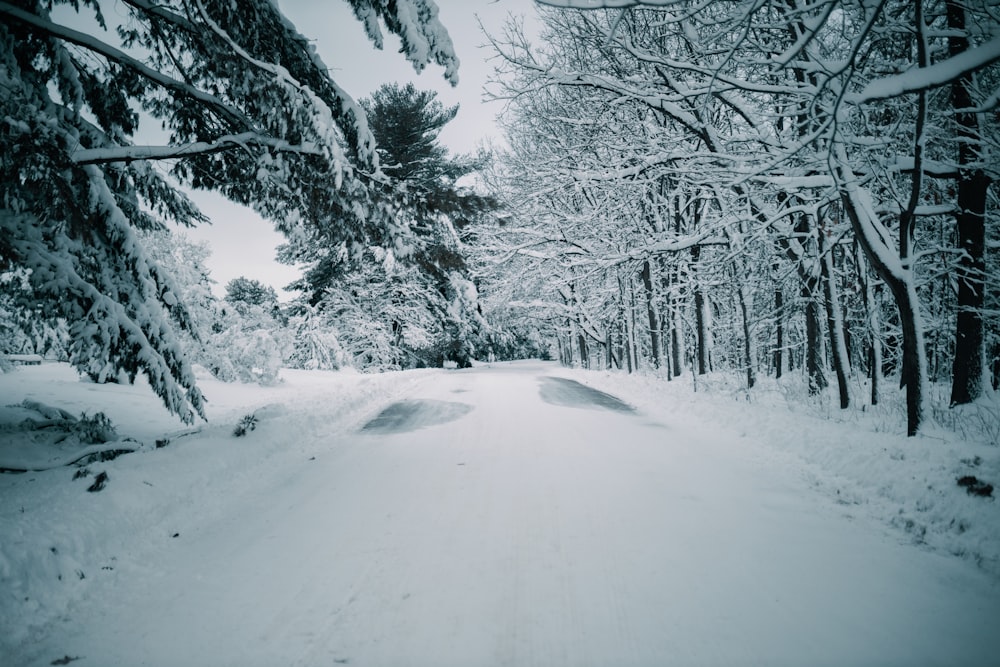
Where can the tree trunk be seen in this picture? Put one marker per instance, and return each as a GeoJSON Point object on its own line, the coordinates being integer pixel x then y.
{"type": "Point", "coordinates": [806, 256]}
{"type": "Point", "coordinates": [914, 372]}
{"type": "Point", "coordinates": [652, 315]}
{"type": "Point", "coordinates": [968, 368]}
{"type": "Point", "coordinates": [834, 320]}
{"type": "Point", "coordinates": [677, 347]}
{"type": "Point", "coordinates": [676, 334]}
{"type": "Point", "coordinates": [814, 354]}
{"type": "Point", "coordinates": [748, 352]}
{"type": "Point", "coordinates": [814, 357]}
{"type": "Point", "coordinates": [874, 326]}
{"type": "Point", "coordinates": [627, 344]}
{"type": "Point", "coordinates": [702, 331]}
{"type": "Point", "coordinates": [779, 338]}
{"type": "Point", "coordinates": [584, 352]}
{"type": "Point", "coordinates": [664, 337]}
{"type": "Point", "coordinates": [633, 338]}
{"type": "Point", "coordinates": [901, 283]}
{"type": "Point", "coordinates": [701, 323]}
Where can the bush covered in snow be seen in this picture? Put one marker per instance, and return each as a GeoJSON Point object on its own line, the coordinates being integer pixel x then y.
{"type": "Point", "coordinates": [246, 356]}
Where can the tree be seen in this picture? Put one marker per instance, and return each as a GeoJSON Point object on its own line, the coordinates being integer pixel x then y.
{"type": "Point", "coordinates": [242, 292]}
{"type": "Point", "coordinates": [970, 217]}
{"type": "Point", "coordinates": [406, 123]}
{"type": "Point", "coordinates": [24, 331]}
{"type": "Point", "coordinates": [436, 210]}
{"type": "Point", "coordinates": [185, 261]}
{"type": "Point", "coordinates": [250, 111]}
{"type": "Point", "coordinates": [807, 118]}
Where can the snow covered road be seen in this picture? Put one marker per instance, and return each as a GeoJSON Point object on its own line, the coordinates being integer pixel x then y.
{"type": "Point", "coordinates": [501, 517]}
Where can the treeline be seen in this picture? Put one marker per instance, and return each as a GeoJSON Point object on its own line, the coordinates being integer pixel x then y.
{"type": "Point", "coordinates": [761, 187]}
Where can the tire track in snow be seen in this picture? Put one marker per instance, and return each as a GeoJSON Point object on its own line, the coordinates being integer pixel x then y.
{"type": "Point", "coordinates": [568, 537]}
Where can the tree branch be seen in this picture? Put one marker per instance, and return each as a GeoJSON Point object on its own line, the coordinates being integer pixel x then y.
{"type": "Point", "coordinates": [919, 79]}
{"type": "Point", "coordinates": [228, 142]}
{"type": "Point", "coordinates": [90, 43]}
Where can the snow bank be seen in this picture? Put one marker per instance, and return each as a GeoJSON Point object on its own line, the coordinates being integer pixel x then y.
{"type": "Point", "coordinates": [56, 537]}
{"type": "Point", "coordinates": [860, 457]}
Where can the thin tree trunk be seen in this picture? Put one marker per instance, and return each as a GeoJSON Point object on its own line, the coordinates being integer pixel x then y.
{"type": "Point", "coordinates": [874, 326]}
{"type": "Point", "coordinates": [633, 327]}
{"type": "Point", "coordinates": [805, 256]}
{"type": "Point", "coordinates": [584, 352]}
{"type": "Point", "coordinates": [814, 357]}
{"type": "Point", "coordinates": [834, 321]}
{"type": "Point", "coordinates": [624, 328]}
{"type": "Point", "coordinates": [677, 347]}
{"type": "Point", "coordinates": [914, 365]}
{"type": "Point", "coordinates": [702, 333]}
{"type": "Point", "coordinates": [779, 338]}
{"type": "Point", "coordinates": [701, 323]}
{"type": "Point", "coordinates": [627, 344]}
{"type": "Point", "coordinates": [651, 314]}
{"type": "Point", "coordinates": [748, 354]}
{"type": "Point", "coordinates": [901, 280]}
{"type": "Point", "coordinates": [676, 333]}
{"type": "Point", "coordinates": [665, 332]}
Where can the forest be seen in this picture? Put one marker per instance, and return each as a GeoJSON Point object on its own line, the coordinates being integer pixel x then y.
{"type": "Point", "coordinates": [760, 188]}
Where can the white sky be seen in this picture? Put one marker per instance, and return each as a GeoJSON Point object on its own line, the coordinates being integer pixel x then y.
{"type": "Point", "coordinates": [242, 243]}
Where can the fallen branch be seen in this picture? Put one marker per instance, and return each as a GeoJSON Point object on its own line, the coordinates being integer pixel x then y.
{"type": "Point", "coordinates": [69, 458]}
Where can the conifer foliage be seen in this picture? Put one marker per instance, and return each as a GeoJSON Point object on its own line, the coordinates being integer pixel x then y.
{"type": "Point", "coordinates": [249, 110]}
{"type": "Point", "coordinates": [410, 304]}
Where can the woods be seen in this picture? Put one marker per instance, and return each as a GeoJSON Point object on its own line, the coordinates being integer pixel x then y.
{"type": "Point", "coordinates": [781, 188]}
{"type": "Point", "coordinates": [675, 163]}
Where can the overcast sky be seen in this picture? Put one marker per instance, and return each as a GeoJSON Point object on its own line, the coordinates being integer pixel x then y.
{"type": "Point", "coordinates": [242, 243]}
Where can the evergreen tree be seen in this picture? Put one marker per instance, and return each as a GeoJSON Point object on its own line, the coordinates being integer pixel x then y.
{"type": "Point", "coordinates": [406, 124]}
{"type": "Point", "coordinates": [243, 292]}
{"type": "Point", "coordinates": [249, 109]}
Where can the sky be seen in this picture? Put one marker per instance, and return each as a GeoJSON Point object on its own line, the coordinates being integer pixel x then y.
{"type": "Point", "coordinates": [242, 243]}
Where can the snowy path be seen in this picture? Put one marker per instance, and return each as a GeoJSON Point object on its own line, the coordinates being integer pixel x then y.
{"type": "Point", "coordinates": [513, 528]}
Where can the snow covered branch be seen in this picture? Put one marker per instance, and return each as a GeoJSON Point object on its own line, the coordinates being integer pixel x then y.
{"type": "Point", "coordinates": [109, 154]}
{"type": "Point", "coordinates": [918, 79]}
{"type": "Point", "coordinates": [225, 111]}
{"type": "Point", "coordinates": [604, 4]}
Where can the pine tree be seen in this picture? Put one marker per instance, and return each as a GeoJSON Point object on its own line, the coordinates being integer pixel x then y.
{"type": "Point", "coordinates": [436, 209]}
{"type": "Point", "coordinates": [243, 292]}
{"type": "Point", "coordinates": [250, 111]}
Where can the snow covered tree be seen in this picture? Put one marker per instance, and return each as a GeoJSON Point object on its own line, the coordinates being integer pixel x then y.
{"type": "Point", "coordinates": [810, 126]}
{"type": "Point", "coordinates": [248, 109]}
{"type": "Point", "coordinates": [184, 260]}
{"type": "Point", "coordinates": [240, 338]}
{"type": "Point", "coordinates": [975, 173]}
{"type": "Point", "coordinates": [24, 330]}
{"type": "Point", "coordinates": [315, 344]}
{"type": "Point", "coordinates": [437, 208]}
{"type": "Point", "coordinates": [243, 292]}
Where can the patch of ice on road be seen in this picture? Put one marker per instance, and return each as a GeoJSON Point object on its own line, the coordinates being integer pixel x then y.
{"type": "Point", "coordinates": [411, 415]}
{"type": "Point", "coordinates": [570, 393]}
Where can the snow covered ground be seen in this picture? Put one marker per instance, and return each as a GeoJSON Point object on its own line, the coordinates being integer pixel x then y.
{"type": "Point", "coordinates": [495, 516]}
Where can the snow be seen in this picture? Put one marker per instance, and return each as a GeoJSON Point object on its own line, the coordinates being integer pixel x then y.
{"type": "Point", "coordinates": [126, 153]}
{"type": "Point", "coordinates": [503, 515]}
{"type": "Point", "coordinates": [923, 78]}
